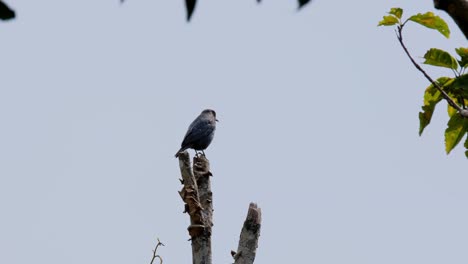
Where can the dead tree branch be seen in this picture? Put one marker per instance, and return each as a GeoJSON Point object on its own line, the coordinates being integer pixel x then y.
{"type": "Point", "coordinates": [6, 13]}
{"type": "Point", "coordinates": [201, 170]}
{"type": "Point", "coordinates": [197, 196]}
{"type": "Point", "coordinates": [155, 256]}
{"type": "Point", "coordinates": [248, 241]}
{"type": "Point", "coordinates": [198, 199]}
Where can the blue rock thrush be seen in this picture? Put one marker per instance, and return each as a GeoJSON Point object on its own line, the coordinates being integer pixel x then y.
{"type": "Point", "coordinates": [200, 133]}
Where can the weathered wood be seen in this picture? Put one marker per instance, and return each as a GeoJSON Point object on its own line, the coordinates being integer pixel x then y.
{"type": "Point", "coordinates": [201, 170]}
{"type": "Point", "coordinates": [458, 10]}
{"type": "Point", "coordinates": [197, 196]}
{"type": "Point", "coordinates": [248, 241]}
{"type": "Point", "coordinates": [198, 199]}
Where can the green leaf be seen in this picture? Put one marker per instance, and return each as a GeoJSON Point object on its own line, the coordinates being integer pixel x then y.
{"type": "Point", "coordinates": [444, 81]}
{"type": "Point", "coordinates": [396, 11]}
{"type": "Point", "coordinates": [451, 111]}
{"type": "Point", "coordinates": [459, 86]}
{"type": "Point", "coordinates": [440, 58]}
{"type": "Point", "coordinates": [432, 21]}
{"type": "Point", "coordinates": [456, 129]}
{"type": "Point", "coordinates": [388, 21]}
{"type": "Point", "coordinates": [432, 96]}
{"type": "Point", "coordinates": [466, 146]}
{"type": "Point", "coordinates": [463, 53]}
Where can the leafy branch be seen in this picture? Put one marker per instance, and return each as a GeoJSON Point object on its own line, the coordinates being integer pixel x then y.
{"type": "Point", "coordinates": [453, 90]}
{"type": "Point", "coordinates": [452, 103]}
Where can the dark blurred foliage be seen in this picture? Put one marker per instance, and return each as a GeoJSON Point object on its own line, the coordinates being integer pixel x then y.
{"type": "Point", "coordinates": [190, 4]}
{"type": "Point", "coordinates": [458, 10]}
{"type": "Point", "coordinates": [302, 3]}
{"type": "Point", "coordinates": [6, 13]}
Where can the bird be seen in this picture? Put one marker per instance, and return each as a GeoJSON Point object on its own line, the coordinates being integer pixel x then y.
{"type": "Point", "coordinates": [200, 133]}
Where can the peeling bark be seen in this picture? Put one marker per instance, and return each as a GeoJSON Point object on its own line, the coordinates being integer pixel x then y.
{"type": "Point", "coordinates": [201, 170]}
{"type": "Point", "coordinates": [197, 196]}
{"type": "Point", "coordinates": [198, 199]}
{"type": "Point", "coordinates": [248, 241]}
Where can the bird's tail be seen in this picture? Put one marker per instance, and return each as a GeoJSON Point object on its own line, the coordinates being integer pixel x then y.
{"type": "Point", "coordinates": [178, 152]}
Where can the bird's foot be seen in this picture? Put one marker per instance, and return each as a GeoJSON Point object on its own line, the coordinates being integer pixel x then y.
{"type": "Point", "coordinates": [199, 154]}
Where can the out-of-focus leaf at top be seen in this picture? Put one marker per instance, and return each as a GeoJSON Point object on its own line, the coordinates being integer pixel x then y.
{"type": "Point", "coordinates": [190, 6]}
{"type": "Point", "coordinates": [302, 3]}
{"type": "Point", "coordinates": [6, 13]}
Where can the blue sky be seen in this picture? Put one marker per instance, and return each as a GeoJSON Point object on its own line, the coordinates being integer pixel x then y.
{"type": "Point", "coordinates": [318, 125]}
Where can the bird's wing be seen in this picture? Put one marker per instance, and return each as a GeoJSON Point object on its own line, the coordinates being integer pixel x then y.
{"type": "Point", "coordinates": [198, 130]}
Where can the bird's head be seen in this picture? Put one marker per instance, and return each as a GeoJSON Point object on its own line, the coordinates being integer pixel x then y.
{"type": "Point", "coordinates": [210, 112]}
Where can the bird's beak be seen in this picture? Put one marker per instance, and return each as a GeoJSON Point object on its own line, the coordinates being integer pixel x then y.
{"type": "Point", "coordinates": [217, 120]}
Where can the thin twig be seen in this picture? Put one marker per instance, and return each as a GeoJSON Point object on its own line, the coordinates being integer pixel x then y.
{"type": "Point", "coordinates": [449, 100]}
{"type": "Point", "coordinates": [155, 256]}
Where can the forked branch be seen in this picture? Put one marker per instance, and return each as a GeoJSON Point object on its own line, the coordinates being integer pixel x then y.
{"type": "Point", "coordinates": [463, 112]}
{"type": "Point", "coordinates": [155, 255]}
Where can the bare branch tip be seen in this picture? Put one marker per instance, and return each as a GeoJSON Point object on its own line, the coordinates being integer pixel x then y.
{"type": "Point", "coordinates": [155, 256]}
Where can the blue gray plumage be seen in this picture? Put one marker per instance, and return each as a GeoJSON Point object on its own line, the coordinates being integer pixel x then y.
{"type": "Point", "coordinates": [200, 133]}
